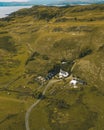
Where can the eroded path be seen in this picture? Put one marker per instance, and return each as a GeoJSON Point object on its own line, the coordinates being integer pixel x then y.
{"type": "Point", "coordinates": [35, 104]}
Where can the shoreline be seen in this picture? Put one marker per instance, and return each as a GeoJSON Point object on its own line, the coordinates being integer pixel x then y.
{"type": "Point", "coordinates": [7, 10]}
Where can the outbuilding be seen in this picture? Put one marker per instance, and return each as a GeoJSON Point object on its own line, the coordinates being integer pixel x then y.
{"type": "Point", "coordinates": [74, 82]}
{"type": "Point", "coordinates": [63, 74]}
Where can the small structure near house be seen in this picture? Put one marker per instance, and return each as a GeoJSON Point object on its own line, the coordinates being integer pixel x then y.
{"type": "Point", "coordinates": [75, 86]}
{"type": "Point", "coordinates": [40, 78]}
{"type": "Point", "coordinates": [63, 62]}
{"type": "Point", "coordinates": [63, 74]}
{"type": "Point", "coordinates": [82, 82]}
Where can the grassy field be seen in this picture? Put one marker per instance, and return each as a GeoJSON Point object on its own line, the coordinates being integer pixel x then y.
{"type": "Point", "coordinates": [12, 111]}
{"type": "Point", "coordinates": [32, 42]}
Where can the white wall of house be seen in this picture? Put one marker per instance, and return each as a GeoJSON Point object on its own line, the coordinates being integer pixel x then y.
{"type": "Point", "coordinates": [63, 74]}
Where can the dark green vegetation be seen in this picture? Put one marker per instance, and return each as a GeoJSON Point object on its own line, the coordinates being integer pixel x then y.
{"type": "Point", "coordinates": [32, 43]}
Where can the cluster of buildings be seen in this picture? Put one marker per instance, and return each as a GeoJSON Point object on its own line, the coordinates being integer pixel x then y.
{"type": "Point", "coordinates": [61, 74]}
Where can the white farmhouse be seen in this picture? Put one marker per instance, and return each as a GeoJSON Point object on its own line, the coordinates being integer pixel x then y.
{"type": "Point", "coordinates": [63, 74]}
{"type": "Point", "coordinates": [74, 82]}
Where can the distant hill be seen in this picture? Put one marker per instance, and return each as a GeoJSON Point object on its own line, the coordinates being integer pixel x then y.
{"type": "Point", "coordinates": [61, 3]}
{"type": "Point", "coordinates": [15, 4]}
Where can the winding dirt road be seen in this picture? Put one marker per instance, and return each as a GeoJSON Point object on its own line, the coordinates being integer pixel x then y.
{"type": "Point", "coordinates": [35, 104]}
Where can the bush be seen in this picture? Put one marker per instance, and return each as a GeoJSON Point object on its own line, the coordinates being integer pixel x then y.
{"type": "Point", "coordinates": [32, 57]}
{"type": "Point", "coordinates": [45, 57]}
{"type": "Point", "coordinates": [85, 52]}
{"type": "Point", "coordinates": [61, 104]}
{"type": "Point", "coordinates": [7, 43]}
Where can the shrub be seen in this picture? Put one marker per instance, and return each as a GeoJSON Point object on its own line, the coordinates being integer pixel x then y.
{"type": "Point", "coordinates": [7, 43]}
{"type": "Point", "coordinates": [61, 104]}
{"type": "Point", "coordinates": [45, 57]}
{"type": "Point", "coordinates": [85, 52]}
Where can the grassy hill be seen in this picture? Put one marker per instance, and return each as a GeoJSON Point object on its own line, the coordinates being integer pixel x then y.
{"type": "Point", "coordinates": [34, 41]}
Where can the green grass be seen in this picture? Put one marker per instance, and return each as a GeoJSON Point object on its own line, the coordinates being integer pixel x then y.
{"type": "Point", "coordinates": [12, 112]}
{"type": "Point", "coordinates": [41, 120]}
{"type": "Point", "coordinates": [32, 42]}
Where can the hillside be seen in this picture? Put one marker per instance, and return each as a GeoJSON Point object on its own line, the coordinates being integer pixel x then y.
{"type": "Point", "coordinates": [37, 40]}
